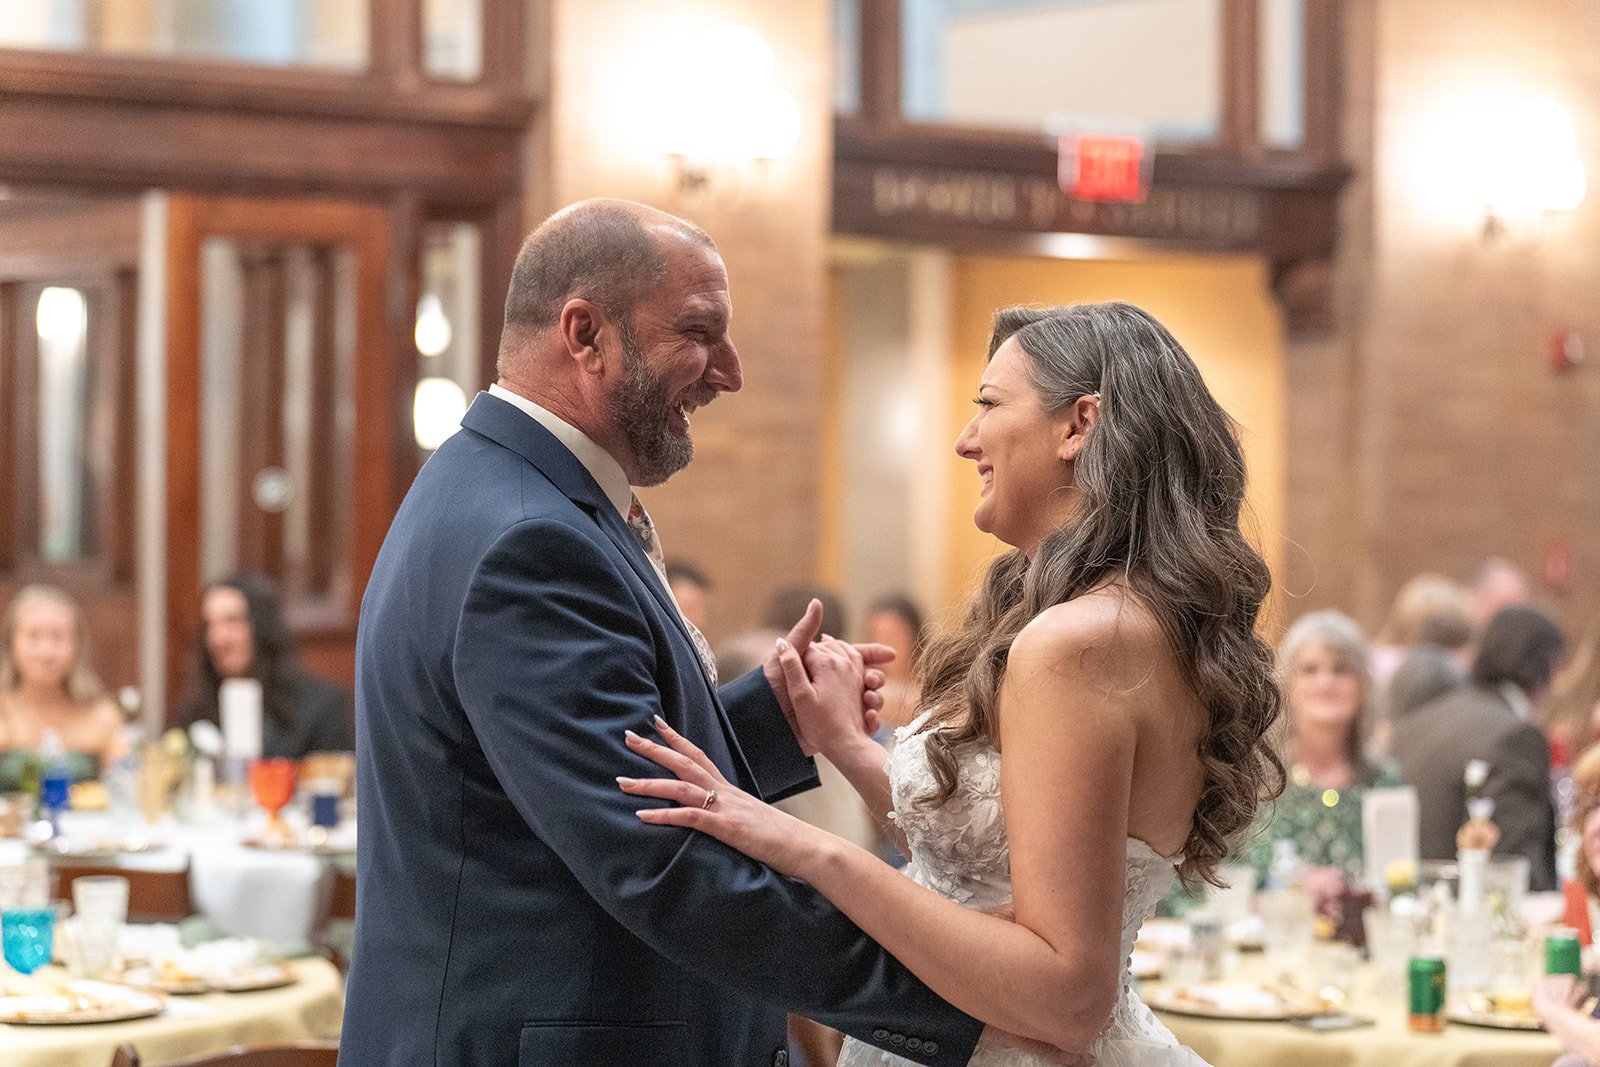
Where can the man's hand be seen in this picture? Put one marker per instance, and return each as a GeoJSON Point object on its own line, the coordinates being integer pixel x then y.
{"type": "Point", "coordinates": [800, 638]}
{"type": "Point", "coordinates": [994, 1037]}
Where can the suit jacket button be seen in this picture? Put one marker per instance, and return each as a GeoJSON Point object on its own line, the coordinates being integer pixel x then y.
{"type": "Point", "coordinates": [913, 1043]}
{"type": "Point", "coordinates": [931, 1047]}
{"type": "Point", "coordinates": [780, 1058]}
{"type": "Point", "coordinates": [880, 1034]}
{"type": "Point", "coordinates": [897, 1040]}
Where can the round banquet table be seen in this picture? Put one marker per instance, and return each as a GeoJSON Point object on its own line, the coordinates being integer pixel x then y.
{"type": "Point", "coordinates": [1388, 1043]}
{"type": "Point", "coordinates": [310, 1008]}
{"type": "Point", "coordinates": [269, 894]}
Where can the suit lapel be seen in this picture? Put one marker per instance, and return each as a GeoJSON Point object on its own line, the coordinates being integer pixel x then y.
{"type": "Point", "coordinates": [622, 538]}
{"type": "Point", "coordinates": [505, 425]}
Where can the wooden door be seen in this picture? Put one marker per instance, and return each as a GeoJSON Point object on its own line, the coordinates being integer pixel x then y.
{"type": "Point", "coordinates": [68, 470]}
{"type": "Point", "coordinates": [284, 424]}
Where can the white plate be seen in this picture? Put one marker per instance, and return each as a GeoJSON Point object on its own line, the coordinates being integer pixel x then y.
{"type": "Point", "coordinates": [1233, 1000]}
{"type": "Point", "coordinates": [81, 1002]}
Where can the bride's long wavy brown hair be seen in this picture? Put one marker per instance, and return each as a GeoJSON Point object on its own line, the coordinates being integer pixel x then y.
{"type": "Point", "coordinates": [1161, 480]}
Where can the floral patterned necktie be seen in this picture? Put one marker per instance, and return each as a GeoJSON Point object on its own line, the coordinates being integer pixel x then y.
{"type": "Point", "coordinates": [645, 531]}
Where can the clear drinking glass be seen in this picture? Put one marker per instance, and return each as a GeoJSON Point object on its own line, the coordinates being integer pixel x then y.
{"type": "Point", "coordinates": [90, 947]}
{"type": "Point", "coordinates": [1288, 922]}
{"type": "Point", "coordinates": [102, 897]}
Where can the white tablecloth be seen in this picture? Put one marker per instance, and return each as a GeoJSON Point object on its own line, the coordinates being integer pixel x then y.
{"type": "Point", "coordinates": [250, 892]}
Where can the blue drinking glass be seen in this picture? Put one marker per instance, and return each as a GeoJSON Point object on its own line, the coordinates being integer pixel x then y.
{"type": "Point", "coordinates": [26, 935]}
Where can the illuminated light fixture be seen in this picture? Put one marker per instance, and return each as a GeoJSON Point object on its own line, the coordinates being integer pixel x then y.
{"type": "Point", "coordinates": [436, 411]}
{"type": "Point", "coordinates": [720, 109]}
{"type": "Point", "coordinates": [1531, 170]}
{"type": "Point", "coordinates": [433, 331]}
{"type": "Point", "coordinates": [62, 316]}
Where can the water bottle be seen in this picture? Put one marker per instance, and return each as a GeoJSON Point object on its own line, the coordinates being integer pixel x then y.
{"type": "Point", "coordinates": [55, 779]}
{"type": "Point", "coordinates": [1562, 794]}
{"type": "Point", "coordinates": [1285, 869]}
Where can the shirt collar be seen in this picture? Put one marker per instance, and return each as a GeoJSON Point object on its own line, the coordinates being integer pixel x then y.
{"type": "Point", "coordinates": [601, 465]}
{"type": "Point", "coordinates": [1520, 706]}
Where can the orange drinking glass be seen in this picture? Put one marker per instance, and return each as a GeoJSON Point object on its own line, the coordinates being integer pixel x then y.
{"type": "Point", "coordinates": [272, 784]}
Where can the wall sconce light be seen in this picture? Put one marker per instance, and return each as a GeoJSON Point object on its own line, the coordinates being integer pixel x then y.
{"type": "Point", "coordinates": [1531, 170]}
{"type": "Point", "coordinates": [436, 411]}
{"type": "Point", "coordinates": [720, 114]}
{"type": "Point", "coordinates": [432, 332]}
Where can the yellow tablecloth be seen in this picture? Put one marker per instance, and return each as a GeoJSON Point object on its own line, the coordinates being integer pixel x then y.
{"type": "Point", "coordinates": [1389, 1043]}
{"type": "Point", "coordinates": [310, 1008]}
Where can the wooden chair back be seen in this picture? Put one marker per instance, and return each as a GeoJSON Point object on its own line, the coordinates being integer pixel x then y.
{"type": "Point", "coordinates": [153, 896]}
{"type": "Point", "coordinates": [297, 1054]}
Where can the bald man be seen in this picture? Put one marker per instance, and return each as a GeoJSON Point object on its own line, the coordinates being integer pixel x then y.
{"type": "Point", "coordinates": [512, 908]}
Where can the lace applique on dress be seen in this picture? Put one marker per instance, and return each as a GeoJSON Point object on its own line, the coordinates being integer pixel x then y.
{"type": "Point", "coordinates": [960, 851]}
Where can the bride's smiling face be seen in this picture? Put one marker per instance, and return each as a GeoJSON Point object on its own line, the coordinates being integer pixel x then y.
{"type": "Point", "coordinates": [1018, 447]}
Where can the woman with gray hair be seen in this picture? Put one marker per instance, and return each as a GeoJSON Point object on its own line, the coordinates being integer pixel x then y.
{"type": "Point", "coordinates": [1324, 667]}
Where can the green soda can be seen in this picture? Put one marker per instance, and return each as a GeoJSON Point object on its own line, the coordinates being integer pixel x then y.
{"type": "Point", "coordinates": [1425, 980]}
{"type": "Point", "coordinates": [1563, 954]}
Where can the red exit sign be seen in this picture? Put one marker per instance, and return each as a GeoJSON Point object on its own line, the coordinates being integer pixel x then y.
{"type": "Point", "coordinates": [1104, 168]}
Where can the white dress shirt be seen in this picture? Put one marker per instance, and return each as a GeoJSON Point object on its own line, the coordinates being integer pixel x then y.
{"type": "Point", "coordinates": [601, 465]}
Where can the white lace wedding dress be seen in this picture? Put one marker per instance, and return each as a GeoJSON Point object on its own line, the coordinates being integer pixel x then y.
{"type": "Point", "coordinates": [959, 850]}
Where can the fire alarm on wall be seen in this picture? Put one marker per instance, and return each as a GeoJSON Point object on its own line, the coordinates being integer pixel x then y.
{"type": "Point", "coordinates": [1566, 350]}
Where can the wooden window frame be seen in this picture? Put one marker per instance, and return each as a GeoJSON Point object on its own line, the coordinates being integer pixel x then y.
{"type": "Point", "coordinates": [881, 106]}
{"type": "Point", "coordinates": [108, 429]}
{"type": "Point", "coordinates": [1279, 203]}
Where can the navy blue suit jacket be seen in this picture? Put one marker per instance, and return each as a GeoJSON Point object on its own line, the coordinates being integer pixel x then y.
{"type": "Point", "coordinates": [511, 907]}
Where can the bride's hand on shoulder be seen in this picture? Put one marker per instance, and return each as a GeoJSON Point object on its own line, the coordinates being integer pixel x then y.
{"type": "Point", "coordinates": [708, 802]}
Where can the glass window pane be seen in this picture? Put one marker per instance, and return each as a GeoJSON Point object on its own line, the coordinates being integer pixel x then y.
{"type": "Point", "coordinates": [447, 328]}
{"type": "Point", "coordinates": [276, 33]}
{"type": "Point", "coordinates": [452, 39]}
{"type": "Point", "coordinates": [1282, 40]}
{"type": "Point", "coordinates": [846, 56]}
{"type": "Point", "coordinates": [62, 321]}
{"type": "Point", "coordinates": [1064, 65]}
{"type": "Point", "coordinates": [277, 424]}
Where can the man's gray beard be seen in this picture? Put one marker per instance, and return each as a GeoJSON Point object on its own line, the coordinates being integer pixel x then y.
{"type": "Point", "coordinates": [642, 410]}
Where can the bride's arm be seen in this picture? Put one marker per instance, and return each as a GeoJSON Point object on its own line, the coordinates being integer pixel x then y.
{"type": "Point", "coordinates": [1068, 740]}
{"type": "Point", "coordinates": [837, 725]}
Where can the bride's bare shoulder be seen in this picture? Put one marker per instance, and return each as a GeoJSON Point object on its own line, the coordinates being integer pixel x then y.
{"type": "Point", "coordinates": [1107, 633]}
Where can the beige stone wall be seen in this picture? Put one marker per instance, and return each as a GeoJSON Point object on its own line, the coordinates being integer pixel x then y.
{"type": "Point", "coordinates": [1430, 432]}
{"type": "Point", "coordinates": [747, 509]}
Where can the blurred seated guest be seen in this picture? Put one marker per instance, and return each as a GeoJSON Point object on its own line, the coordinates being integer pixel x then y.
{"type": "Point", "coordinates": [1324, 669]}
{"type": "Point", "coordinates": [1426, 674]}
{"type": "Point", "coordinates": [1430, 610]}
{"type": "Point", "coordinates": [47, 687]}
{"type": "Point", "coordinates": [690, 588]}
{"type": "Point", "coordinates": [1558, 999]}
{"type": "Point", "coordinates": [243, 635]}
{"type": "Point", "coordinates": [1498, 584]}
{"type": "Point", "coordinates": [1490, 719]}
{"type": "Point", "coordinates": [1574, 714]}
{"type": "Point", "coordinates": [1586, 774]}
{"type": "Point", "coordinates": [896, 622]}
{"type": "Point", "coordinates": [790, 603]}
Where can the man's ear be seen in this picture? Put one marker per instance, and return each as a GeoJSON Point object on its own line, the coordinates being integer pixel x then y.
{"type": "Point", "coordinates": [581, 325]}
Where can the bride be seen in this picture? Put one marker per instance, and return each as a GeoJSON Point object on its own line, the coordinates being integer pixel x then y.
{"type": "Point", "coordinates": [1112, 659]}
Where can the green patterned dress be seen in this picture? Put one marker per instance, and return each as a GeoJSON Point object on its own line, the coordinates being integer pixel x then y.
{"type": "Point", "coordinates": [1324, 824]}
